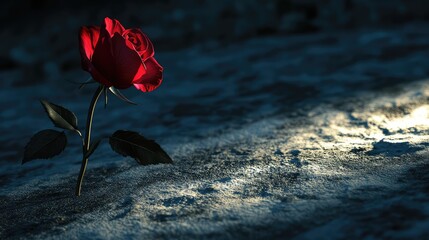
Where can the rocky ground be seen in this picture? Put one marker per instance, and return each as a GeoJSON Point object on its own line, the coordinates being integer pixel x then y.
{"type": "Point", "coordinates": [321, 136]}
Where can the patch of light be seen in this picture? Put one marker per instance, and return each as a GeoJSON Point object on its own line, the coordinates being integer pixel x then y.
{"type": "Point", "coordinates": [419, 117]}
{"type": "Point", "coordinates": [345, 134]}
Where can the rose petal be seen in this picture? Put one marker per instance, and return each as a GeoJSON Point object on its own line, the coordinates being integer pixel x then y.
{"type": "Point", "coordinates": [96, 75]}
{"type": "Point", "coordinates": [145, 47]}
{"type": "Point", "coordinates": [140, 72]}
{"type": "Point", "coordinates": [128, 63]}
{"type": "Point", "coordinates": [112, 26]}
{"type": "Point", "coordinates": [153, 77]}
{"type": "Point", "coordinates": [103, 59]}
{"type": "Point", "coordinates": [149, 49]}
{"type": "Point", "coordinates": [88, 38]}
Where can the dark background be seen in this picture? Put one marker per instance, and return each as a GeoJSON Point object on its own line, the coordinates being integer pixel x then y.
{"type": "Point", "coordinates": [39, 37]}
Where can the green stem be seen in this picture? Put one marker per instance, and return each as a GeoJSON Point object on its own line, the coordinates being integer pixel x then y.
{"type": "Point", "coordinates": [87, 139]}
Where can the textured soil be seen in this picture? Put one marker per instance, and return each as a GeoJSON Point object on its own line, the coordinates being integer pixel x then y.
{"type": "Point", "coordinates": [315, 136]}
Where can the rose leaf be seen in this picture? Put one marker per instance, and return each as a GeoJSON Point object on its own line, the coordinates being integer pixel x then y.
{"type": "Point", "coordinates": [45, 144]}
{"type": "Point", "coordinates": [143, 150]}
{"type": "Point", "coordinates": [61, 117]}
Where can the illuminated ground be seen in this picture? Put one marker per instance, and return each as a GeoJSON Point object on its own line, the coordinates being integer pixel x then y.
{"type": "Point", "coordinates": [313, 137]}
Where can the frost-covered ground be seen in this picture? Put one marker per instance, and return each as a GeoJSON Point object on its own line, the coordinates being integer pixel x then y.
{"type": "Point", "coordinates": [320, 136]}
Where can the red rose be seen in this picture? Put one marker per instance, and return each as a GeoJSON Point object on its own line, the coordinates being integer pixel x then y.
{"type": "Point", "coordinates": [119, 57]}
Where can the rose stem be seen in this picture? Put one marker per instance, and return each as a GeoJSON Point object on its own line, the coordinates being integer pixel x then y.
{"type": "Point", "coordinates": [87, 140]}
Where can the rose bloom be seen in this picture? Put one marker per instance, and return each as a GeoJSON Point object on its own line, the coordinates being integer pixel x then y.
{"type": "Point", "coordinates": [119, 57]}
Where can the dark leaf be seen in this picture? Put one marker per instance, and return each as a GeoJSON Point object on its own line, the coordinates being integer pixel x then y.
{"type": "Point", "coordinates": [144, 151]}
{"type": "Point", "coordinates": [60, 116]}
{"type": "Point", "coordinates": [120, 95]}
{"type": "Point", "coordinates": [92, 148]}
{"type": "Point", "coordinates": [45, 144]}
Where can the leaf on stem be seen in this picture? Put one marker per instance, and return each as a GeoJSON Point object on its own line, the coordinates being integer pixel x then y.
{"type": "Point", "coordinates": [144, 151]}
{"type": "Point", "coordinates": [121, 96]}
{"type": "Point", "coordinates": [45, 144]}
{"type": "Point", "coordinates": [92, 148]}
{"type": "Point", "coordinates": [61, 117]}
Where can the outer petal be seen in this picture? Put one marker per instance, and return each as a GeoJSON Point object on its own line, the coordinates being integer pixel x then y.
{"type": "Point", "coordinates": [128, 63]}
{"type": "Point", "coordinates": [96, 75]}
{"type": "Point", "coordinates": [103, 60]}
{"type": "Point", "coordinates": [153, 77]}
{"type": "Point", "coordinates": [112, 26]}
{"type": "Point", "coordinates": [88, 38]}
{"type": "Point", "coordinates": [140, 72]}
